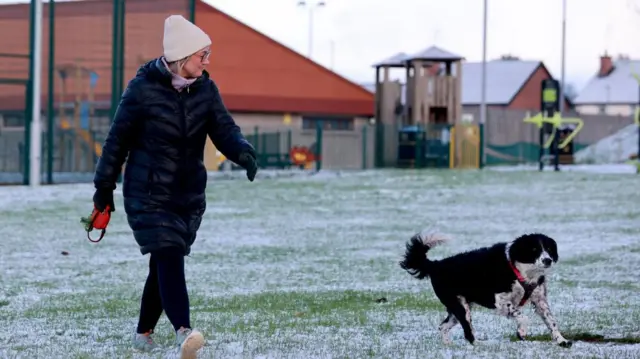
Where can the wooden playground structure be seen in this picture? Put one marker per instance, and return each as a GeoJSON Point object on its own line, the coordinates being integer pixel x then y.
{"type": "Point", "coordinates": [426, 111]}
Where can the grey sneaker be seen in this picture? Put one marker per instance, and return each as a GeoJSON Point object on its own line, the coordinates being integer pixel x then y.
{"type": "Point", "coordinates": [144, 342]}
{"type": "Point", "coordinates": [190, 341]}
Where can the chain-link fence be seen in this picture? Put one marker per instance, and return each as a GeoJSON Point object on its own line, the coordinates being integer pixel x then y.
{"type": "Point", "coordinates": [89, 51]}
{"type": "Point", "coordinates": [316, 148]}
{"type": "Point", "coordinates": [14, 85]}
{"type": "Point", "coordinates": [505, 139]}
{"type": "Point", "coordinates": [510, 140]}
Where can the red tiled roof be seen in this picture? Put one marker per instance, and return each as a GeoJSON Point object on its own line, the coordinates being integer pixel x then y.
{"type": "Point", "coordinates": [254, 72]}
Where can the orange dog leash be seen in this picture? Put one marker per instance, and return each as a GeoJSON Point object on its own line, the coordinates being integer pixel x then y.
{"type": "Point", "coordinates": [97, 220]}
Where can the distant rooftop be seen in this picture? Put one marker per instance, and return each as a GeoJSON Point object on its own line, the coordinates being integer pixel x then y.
{"type": "Point", "coordinates": [504, 79]}
{"type": "Point", "coordinates": [619, 87]}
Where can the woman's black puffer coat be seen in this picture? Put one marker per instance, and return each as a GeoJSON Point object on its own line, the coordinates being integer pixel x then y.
{"type": "Point", "coordinates": [161, 133]}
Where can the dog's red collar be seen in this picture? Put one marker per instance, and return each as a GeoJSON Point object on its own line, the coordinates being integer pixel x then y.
{"type": "Point", "coordinates": [517, 273]}
{"type": "Point", "coordinates": [528, 288]}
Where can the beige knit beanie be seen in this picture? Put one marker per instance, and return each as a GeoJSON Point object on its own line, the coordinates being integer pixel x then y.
{"type": "Point", "coordinates": [182, 38]}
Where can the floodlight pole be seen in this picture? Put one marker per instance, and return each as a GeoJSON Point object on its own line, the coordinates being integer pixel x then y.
{"type": "Point", "coordinates": [564, 45]}
{"type": "Point", "coordinates": [311, 9]}
{"type": "Point", "coordinates": [483, 90]}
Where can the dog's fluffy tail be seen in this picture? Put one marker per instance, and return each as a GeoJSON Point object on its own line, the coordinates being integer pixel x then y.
{"type": "Point", "coordinates": [415, 258]}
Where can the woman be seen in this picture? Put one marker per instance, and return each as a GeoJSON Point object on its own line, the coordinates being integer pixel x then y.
{"type": "Point", "coordinates": [164, 117]}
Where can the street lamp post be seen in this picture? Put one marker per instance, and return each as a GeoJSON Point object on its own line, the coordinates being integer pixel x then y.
{"type": "Point", "coordinates": [563, 59]}
{"type": "Point", "coordinates": [311, 6]}
{"type": "Point", "coordinates": [483, 84]}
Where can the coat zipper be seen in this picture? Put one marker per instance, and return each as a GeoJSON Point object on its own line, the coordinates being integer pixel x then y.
{"type": "Point", "coordinates": [183, 128]}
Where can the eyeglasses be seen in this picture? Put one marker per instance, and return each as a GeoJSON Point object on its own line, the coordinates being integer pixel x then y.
{"type": "Point", "coordinates": [205, 55]}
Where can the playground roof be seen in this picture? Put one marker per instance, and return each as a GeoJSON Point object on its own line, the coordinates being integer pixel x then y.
{"type": "Point", "coordinates": [619, 87]}
{"type": "Point", "coordinates": [430, 54]}
{"type": "Point", "coordinates": [254, 72]}
{"type": "Point", "coordinates": [434, 53]}
{"type": "Point", "coordinates": [396, 60]}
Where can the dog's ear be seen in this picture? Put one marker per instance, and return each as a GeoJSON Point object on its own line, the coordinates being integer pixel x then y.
{"type": "Point", "coordinates": [551, 247]}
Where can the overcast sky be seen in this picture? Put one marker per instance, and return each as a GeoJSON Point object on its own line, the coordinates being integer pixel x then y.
{"type": "Point", "coordinates": [366, 31]}
{"type": "Point", "coordinates": [350, 35]}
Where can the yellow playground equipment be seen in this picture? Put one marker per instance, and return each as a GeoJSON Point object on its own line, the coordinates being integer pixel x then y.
{"type": "Point", "coordinates": [76, 125]}
{"type": "Point", "coordinates": [212, 157]}
{"type": "Point", "coordinates": [551, 126]}
{"type": "Point", "coordinates": [465, 146]}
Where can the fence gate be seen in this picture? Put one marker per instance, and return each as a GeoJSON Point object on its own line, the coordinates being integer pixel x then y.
{"type": "Point", "coordinates": [465, 146]}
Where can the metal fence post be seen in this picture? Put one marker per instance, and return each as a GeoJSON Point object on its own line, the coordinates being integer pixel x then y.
{"type": "Point", "coordinates": [50, 90]}
{"type": "Point", "coordinates": [319, 125]}
{"type": "Point", "coordinates": [379, 144]}
{"type": "Point", "coordinates": [482, 146]}
{"type": "Point", "coordinates": [117, 58]}
{"type": "Point", "coordinates": [192, 11]}
{"type": "Point", "coordinates": [114, 57]}
{"type": "Point", "coordinates": [364, 147]}
{"type": "Point", "coordinates": [121, 28]}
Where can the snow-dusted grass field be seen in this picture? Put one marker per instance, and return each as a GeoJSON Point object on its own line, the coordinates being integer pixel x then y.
{"type": "Point", "coordinates": [296, 267]}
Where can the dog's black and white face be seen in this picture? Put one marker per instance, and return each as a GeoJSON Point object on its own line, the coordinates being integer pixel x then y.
{"type": "Point", "coordinates": [533, 254]}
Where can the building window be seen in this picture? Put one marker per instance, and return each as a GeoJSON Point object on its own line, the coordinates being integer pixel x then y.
{"type": "Point", "coordinates": [329, 123]}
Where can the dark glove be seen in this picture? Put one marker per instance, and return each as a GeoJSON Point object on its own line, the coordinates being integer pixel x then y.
{"type": "Point", "coordinates": [247, 160]}
{"type": "Point", "coordinates": [103, 198]}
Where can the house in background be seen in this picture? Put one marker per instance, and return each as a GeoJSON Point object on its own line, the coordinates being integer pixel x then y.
{"type": "Point", "coordinates": [613, 90]}
{"type": "Point", "coordinates": [512, 84]}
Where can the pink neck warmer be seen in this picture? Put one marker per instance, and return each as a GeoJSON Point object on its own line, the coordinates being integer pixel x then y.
{"type": "Point", "coordinates": [178, 82]}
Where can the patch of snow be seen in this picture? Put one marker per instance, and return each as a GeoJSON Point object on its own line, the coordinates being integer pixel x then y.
{"type": "Point", "coordinates": [607, 168]}
{"type": "Point", "coordinates": [322, 235]}
{"type": "Point", "coordinates": [615, 148]}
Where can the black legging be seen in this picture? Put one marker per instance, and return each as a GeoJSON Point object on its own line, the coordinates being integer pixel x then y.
{"type": "Point", "coordinates": [166, 289]}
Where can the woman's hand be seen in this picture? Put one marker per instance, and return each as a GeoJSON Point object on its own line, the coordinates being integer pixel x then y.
{"type": "Point", "coordinates": [247, 160]}
{"type": "Point", "coordinates": [103, 198]}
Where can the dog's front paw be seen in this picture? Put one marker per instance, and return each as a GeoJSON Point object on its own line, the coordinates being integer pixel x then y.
{"type": "Point", "coordinates": [521, 333]}
{"type": "Point", "coordinates": [565, 343]}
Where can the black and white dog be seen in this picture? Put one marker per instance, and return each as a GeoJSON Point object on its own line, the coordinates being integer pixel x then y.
{"type": "Point", "coordinates": [501, 277]}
